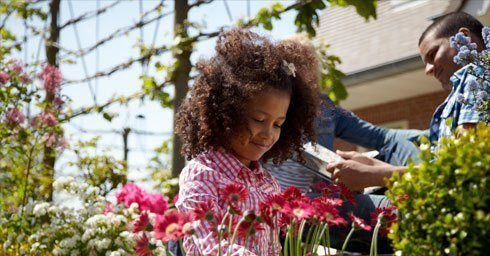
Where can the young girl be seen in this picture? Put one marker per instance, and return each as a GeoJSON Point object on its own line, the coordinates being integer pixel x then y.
{"type": "Point", "coordinates": [254, 100]}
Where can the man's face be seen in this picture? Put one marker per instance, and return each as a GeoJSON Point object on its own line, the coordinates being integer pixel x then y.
{"type": "Point", "coordinates": [437, 55]}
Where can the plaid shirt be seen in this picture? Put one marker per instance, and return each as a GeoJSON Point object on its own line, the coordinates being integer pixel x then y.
{"type": "Point", "coordinates": [453, 112]}
{"type": "Point", "coordinates": [202, 179]}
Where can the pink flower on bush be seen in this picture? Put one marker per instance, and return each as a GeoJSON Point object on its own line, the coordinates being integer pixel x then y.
{"type": "Point", "coordinates": [4, 77]}
{"type": "Point", "coordinates": [154, 203]}
{"type": "Point", "coordinates": [52, 78]}
{"type": "Point", "coordinates": [24, 78]}
{"type": "Point", "coordinates": [131, 193]}
{"type": "Point", "coordinates": [58, 102]}
{"type": "Point", "coordinates": [16, 66]}
{"type": "Point", "coordinates": [14, 117]}
{"type": "Point", "coordinates": [54, 140]}
{"type": "Point", "coordinates": [48, 119]}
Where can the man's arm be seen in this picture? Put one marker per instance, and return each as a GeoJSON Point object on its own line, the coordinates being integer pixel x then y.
{"type": "Point", "coordinates": [358, 171]}
{"type": "Point", "coordinates": [353, 129]}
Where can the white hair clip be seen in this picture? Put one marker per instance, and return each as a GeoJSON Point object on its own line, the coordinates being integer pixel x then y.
{"type": "Point", "coordinates": [289, 68]}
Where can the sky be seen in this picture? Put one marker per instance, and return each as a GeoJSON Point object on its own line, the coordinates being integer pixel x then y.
{"type": "Point", "coordinates": [84, 34]}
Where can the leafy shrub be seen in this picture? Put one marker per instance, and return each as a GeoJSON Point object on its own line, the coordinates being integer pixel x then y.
{"type": "Point", "coordinates": [444, 201]}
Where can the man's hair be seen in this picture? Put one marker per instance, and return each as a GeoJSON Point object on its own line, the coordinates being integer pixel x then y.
{"type": "Point", "coordinates": [449, 24]}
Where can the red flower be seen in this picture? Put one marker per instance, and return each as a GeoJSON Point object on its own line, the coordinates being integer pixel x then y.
{"type": "Point", "coordinates": [346, 193]}
{"type": "Point", "coordinates": [331, 189]}
{"type": "Point", "coordinates": [332, 201]}
{"type": "Point", "coordinates": [143, 246]}
{"type": "Point", "coordinates": [249, 228]}
{"type": "Point", "coordinates": [172, 226]}
{"type": "Point", "coordinates": [204, 211]}
{"type": "Point", "coordinates": [235, 193]}
{"type": "Point", "coordinates": [388, 217]}
{"type": "Point", "coordinates": [358, 222]}
{"type": "Point", "coordinates": [327, 212]}
{"type": "Point", "coordinates": [142, 224]}
{"type": "Point", "coordinates": [298, 209]}
{"type": "Point", "coordinates": [292, 193]}
{"type": "Point", "coordinates": [276, 202]}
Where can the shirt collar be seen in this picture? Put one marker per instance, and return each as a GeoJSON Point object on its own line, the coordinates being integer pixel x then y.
{"type": "Point", "coordinates": [458, 75]}
{"type": "Point", "coordinates": [228, 164]}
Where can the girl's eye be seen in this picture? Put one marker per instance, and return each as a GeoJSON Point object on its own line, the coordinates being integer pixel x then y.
{"type": "Point", "coordinates": [278, 125]}
{"type": "Point", "coordinates": [258, 120]}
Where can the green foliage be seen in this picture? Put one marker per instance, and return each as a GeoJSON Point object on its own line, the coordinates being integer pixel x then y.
{"type": "Point", "coordinates": [20, 8]}
{"type": "Point", "coordinates": [365, 8]}
{"type": "Point", "coordinates": [307, 16]}
{"type": "Point", "coordinates": [448, 199]}
{"type": "Point", "coordinates": [331, 77]}
{"type": "Point", "coordinates": [98, 170]}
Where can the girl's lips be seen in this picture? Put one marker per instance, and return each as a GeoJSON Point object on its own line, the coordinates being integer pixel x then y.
{"type": "Point", "coordinates": [262, 146]}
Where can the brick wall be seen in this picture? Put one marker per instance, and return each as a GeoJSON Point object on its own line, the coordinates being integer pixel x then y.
{"type": "Point", "coordinates": [417, 111]}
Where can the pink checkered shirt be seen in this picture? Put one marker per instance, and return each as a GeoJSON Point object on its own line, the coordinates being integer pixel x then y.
{"type": "Point", "coordinates": [202, 179]}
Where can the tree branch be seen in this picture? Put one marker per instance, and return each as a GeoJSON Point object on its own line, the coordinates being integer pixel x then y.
{"type": "Point", "coordinates": [121, 66]}
{"type": "Point", "coordinates": [200, 2]}
{"type": "Point", "coordinates": [90, 14]}
{"type": "Point", "coordinates": [99, 108]}
{"type": "Point", "coordinates": [123, 31]}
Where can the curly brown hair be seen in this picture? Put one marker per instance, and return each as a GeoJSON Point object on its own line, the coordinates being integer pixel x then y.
{"type": "Point", "coordinates": [246, 64]}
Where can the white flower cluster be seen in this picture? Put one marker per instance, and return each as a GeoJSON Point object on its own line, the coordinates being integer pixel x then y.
{"type": "Point", "coordinates": [86, 230]}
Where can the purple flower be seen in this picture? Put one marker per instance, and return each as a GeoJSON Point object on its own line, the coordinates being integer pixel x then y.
{"type": "Point", "coordinates": [52, 77]}
{"type": "Point", "coordinates": [14, 117]}
{"type": "Point", "coordinates": [4, 77]}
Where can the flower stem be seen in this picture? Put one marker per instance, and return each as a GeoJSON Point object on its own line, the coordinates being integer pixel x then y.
{"type": "Point", "coordinates": [234, 235]}
{"type": "Point", "coordinates": [347, 239]}
{"type": "Point", "coordinates": [374, 241]}
{"type": "Point", "coordinates": [327, 236]}
{"type": "Point", "coordinates": [220, 234]}
{"type": "Point", "coordinates": [300, 237]}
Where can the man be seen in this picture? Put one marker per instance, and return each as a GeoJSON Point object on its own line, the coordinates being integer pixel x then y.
{"type": "Point", "coordinates": [452, 116]}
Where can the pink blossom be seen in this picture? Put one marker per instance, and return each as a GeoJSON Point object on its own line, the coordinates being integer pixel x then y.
{"type": "Point", "coordinates": [48, 119]}
{"type": "Point", "coordinates": [58, 102]}
{"type": "Point", "coordinates": [54, 140]}
{"type": "Point", "coordinates": [4, 77]}
{"type": "Point", "coordinates": [14, 117]}
{"type": "Point", "coordinates": [25, 79]}
{"type": "Point", "coordinates": [16, 66]}
{"type": "Point", "coordinates": [52, 77]}
{"type": "Point", "coordinates": [131, 193]}
{"type": "Point", "coordinates": [50, 139]}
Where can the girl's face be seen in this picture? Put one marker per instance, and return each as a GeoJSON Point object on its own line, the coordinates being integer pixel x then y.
{"type": "Point", "coordinates": [265, 114]}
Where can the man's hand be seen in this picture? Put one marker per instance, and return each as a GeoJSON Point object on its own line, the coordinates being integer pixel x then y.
{"type": "Point", "coordinates": [358, 171]}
